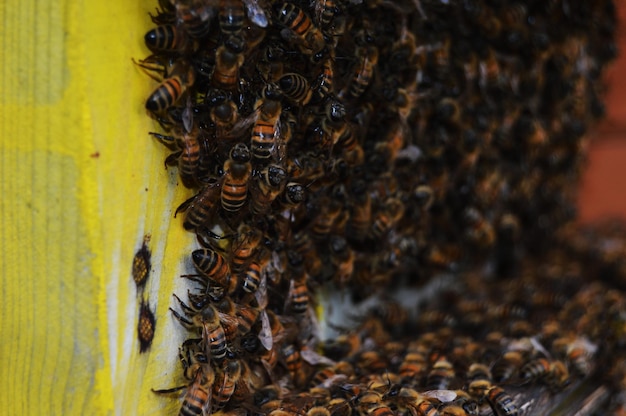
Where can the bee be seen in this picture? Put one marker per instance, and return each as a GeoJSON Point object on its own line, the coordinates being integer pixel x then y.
{"type": "Point", "coordinates": [169, 91]}
{"type": "Point", "coordinates": [501, 403]}
{"type": "Point", "coordinates": [199, 209]}
{"type": "Point", "coordinates": [195, 18]}
{"type": "Point", "coordinates": [409, 400]}
{"type": "Point", "coordinates": [197, 398]}
{"type": "Point", "coordinates": [301, 29]}
{"type": "Point", "coordinates": [207, 321]}
{"type": "Point", "coordinates": [293, 361]}
{"type": "Point", "coordinates": [298, 294]}
{"type": "Point", "coordinates": [558, 376]}
{"type": "Point", "coordinates": [387, 218]}
{"type": "Point", "coordinates": [266, 130]}
{"type": "Point", "coordinates": [227, 65]}
{"type": "Point", "coordinates": [578, 351]}
{"type": "Point", "coordinates": [187, 157]}
{"type": "Point", "coordinates": [367, 57]}
{"type": "Point", "coordinates": [360, 213]}
{"type": "Point", "coordinates": [225, 115]}
{"type": "Point", "coordinates": [318, 411]}
{"type": "Point", "coordinates": [245, 244]}
{"type": "Point", "coordinates": [213, 266]}
{"type": "Point", "coordinates": [441, 375]}
{"type": "Point", "coordinates": [295, 88]}
{"type": "Point", "coordinates": [323, 85]}
{"type": "Point", "coordinates": [342, 257]}
{"type": "Point", "coordinates": [329, 211]}
{"type": "Point", "coordinates": [142, 263]}
{"type": "Point", "coordinates": [268, 184]}
{"type": "Point", "coordinates": [252, 277]}
{"type": "Point", "coordinates": [413, 368]}
{"type": "Point", "coordinates": [246, 318]}
{"type": "Point", "coordinates": [452, 410]}
{"type": "Point", "coordinates": [231, 17]}
{"type": "Point", "coordinates": [167, 38]}
{"type": "Point", "coordinates": [145, 326]}
{"type": "Point", "coordinates": [479, 229]}
{"type": "Point", "coordinates": [237, 171]}
{"type": "Point", "coordinates": [534, 370]}
{"type": "Point", "coordinates": [304, 245]}
{"type": "Point", "coordinates": [224, 385]}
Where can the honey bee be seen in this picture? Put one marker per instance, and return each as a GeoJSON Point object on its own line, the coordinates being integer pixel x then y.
{"type": "Point", "coordinates": [199, 209]}
{"type": "Point", "coordinates": [142, 263]}
{"type": "Point", "coordinates": [479, 228]}
{"type": "Point", "coordinates": [452, 410]}
{"type": "Point", "coordinates": [534, 370]}
{"type": "Point", "coordinates": [231, 17]}
{"type": "Point", "coordinates": [227, 65]}
{"type": "Point", "coordinates": [171, 89]}
{"type": "Point", "coordinates": [386, 218]}
{"type": "Point", "coordinates": [167, 38]}
{"type": "Point", "coordinates": [501, 403]}
{"type": "Point", "coordinates": [225, 115]}
{"type": "Point", "coordinates": [224, 385]}
{"type": "Point", "coordinates": [245, 244]}
{"type": "Point", "coordinates": [247, 317]}
{"type": "Point", "coordinates": [578, 352]}
{"type": "Point", "coordinates": [342, 257]}
{"type": "Point", "coordinates": [318, 411]}
{"type": "Point", "coordinates": [188, 155]}
{"type": "Point", "coordinates": [197, 398]}
{"type": "Point", "coordinates": [207, 322]}
{"type": "Point", "coordinates": [145, 326]}
{"type": "Point", "coordinates": [266, 130]}
{"type": "Point", "coordinates": [295, 88]}
{"type": "Point", "coordinates": [441, 375]}
{"type": "Point", "coordinates": [301, 29]}
{"type": "Point", "coordinates": [237, 171]}
{"type": "Point", "coordinates": [298, 293]}
{"type": "Point", "coordinates": [322, 224]}
{"type": "Point", "coordinates": [360, 212]}
{"type": "Point", "coordinates": [293, 361]}
{"type": "Point", "coordinates": [213, 266]}
{"type": "Point", "coordinates": [195, 17]}
{"type": "Point", "coordinates": [323, 85]}
{"type": "Point", "coordinates": [268, 184]}
{"type": "Point", "coordinates": [367, 57]}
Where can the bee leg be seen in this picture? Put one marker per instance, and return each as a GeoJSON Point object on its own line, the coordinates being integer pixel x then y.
{"type": "Point", "coordinates": [167, 391]}
{"type": "Point", "coordinates": [183, 321]}
{"type": "Point", "coordinates": [195, 278]}
{"type": "Point", "coordinates": [167, 141]}
{"type": "Point", "coordinates": [172, 160]}
{"type": "Point", "coordinates": [186, 309]}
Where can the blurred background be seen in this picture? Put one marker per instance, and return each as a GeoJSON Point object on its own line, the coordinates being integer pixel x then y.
{"type": "Point", "coordinates": [603, 189]}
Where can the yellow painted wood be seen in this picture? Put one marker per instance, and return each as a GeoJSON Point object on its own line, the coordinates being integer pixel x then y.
{"type": "Point", "coordinates": [81, 183]}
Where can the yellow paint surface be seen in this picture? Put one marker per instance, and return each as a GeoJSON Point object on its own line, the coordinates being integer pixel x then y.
{"type": "Point", "coordinates": [81, 184]}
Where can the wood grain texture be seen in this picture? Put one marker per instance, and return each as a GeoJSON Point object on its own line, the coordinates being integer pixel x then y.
{"type": "Point", "coordinates": [81, 184]}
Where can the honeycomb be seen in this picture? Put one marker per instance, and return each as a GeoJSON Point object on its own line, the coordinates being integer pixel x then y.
{"type": "Point", "coordinates": [415, 160]}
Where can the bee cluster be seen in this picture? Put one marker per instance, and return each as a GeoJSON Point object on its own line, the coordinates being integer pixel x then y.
{"type": "Point", "coordinates": [366, 145]}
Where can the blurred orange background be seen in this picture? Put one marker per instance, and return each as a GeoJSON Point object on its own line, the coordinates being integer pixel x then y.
{"type": "Point", "coordinates": [603, 188]}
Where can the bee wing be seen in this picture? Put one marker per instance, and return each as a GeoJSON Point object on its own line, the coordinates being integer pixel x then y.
{"type": "Point", "coordinates": [256, 14]}
{"type": "Point", "coordinates": [243, 124]}
{"type": "Point", "coordinates": [261, 292]}
{"type": "Point", "coordinates": [227, 319]}
{"type": "Point", "coordinates": [265, 334]}
{"type": "Point", "coordinates": [313, 358]}
{"type": "Point", "coordinates": [443, 396]}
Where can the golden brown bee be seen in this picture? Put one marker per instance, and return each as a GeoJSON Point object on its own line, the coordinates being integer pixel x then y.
{"type": "Point", "coordinates": [441, 375]}
{"type": "Point", "coordinates": [142, 263]}
{"type": "Point", "coordinates": [200, 208]}
{"type": "Point", "coordinates": [452, 410]}
{"type": "Point", "coordinates": [246, 318]}
{"type": "Point", "coordinates": [237, 171]}
{"type": "Point", "coordinates": [535, 370]}
{"type": "Point", "coordinates": [323, 85]}
{"type": "Point", "coordinates": [145, 326]}
{"type": "Point", "coordinates": [387, 218]}
{"type": "Point", "coordinates": [318, 411]}
{"type": "Point", "coordinates": [268, 184]}
{"type": "Point", "coordinates": [501, 403]}
{"type": "Point", "coordinates": [213, 266]}
{"type": "Point", "coordinates": [225, 115]}
{"type": "Point", "coordinates": [478, 388]}
{"type": "Point", "coordinates": [195, 17]}
{"type": "Point", "coordinates": [207, 321]}
{"type": "Point", "coordinates": [187, 156]}
{"type": "Point", "coordinates": [252, 277]}
{"type": "Point", "coordinates": [306, 35]}
{"type": "Point", "coordinates": [227, 65]}
{"type": "Point", "coordinates": [322, 224]}
{"type": "Point", "coordinates": [231, 17]}
{"type": "Point", "coordinates": [224, 385]}
{"type": "Point", "coordinates": [342, 257]}
{"type": "Point", "coordinates": [293, 360]}
{"type": "Point", "coordinates": [363, 72]}
{"type": "Point", "coordinates": [578, 351]}
{"type": "Point", "coordinates": [169, 91]}
{"type": "Point", "coordinates": [266, 130]}
{"type": "Point", "coordinates": [244, 246]}
{"type": "Point", "coordinates": [298, 294]}
{"type": "Point", "coordinates": [507, 366]}
{"type": "Point", "coordinates": [167, 38]}
{"type": "Point", "coordinates": [295, 88]}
